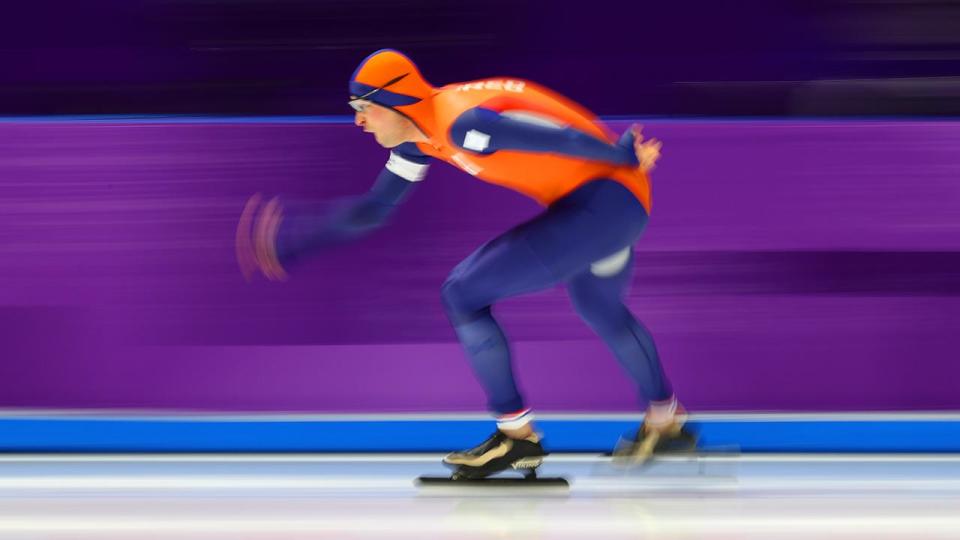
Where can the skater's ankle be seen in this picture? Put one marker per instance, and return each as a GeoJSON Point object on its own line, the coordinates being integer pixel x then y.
{"type": "Point", "coordinates": [523, 432]}
{"type": "Point", "coordinates": [664, 414]}
{"type": "Point", "coordinates": [517, 425]}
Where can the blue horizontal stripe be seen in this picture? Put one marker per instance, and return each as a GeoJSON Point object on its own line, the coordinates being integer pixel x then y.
{"type": "Point", "coordinates": [27, 434]}
{"type": "Point", "coordinates": [348, 119]}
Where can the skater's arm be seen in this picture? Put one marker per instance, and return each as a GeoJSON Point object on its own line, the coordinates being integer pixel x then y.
{"type": "Point", "coordinates": [283, 236]}
{"type": "Point", "coordinates": [486, 131]}
{"type": "Point", "coordinates": [352, 218]}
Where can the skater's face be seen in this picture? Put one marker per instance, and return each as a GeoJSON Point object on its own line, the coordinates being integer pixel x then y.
{"type": "Point", "coordinates": [389, 127]}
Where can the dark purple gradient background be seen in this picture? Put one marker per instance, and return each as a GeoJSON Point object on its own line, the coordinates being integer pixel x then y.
{"type": "Point", "coordinates": [788, 265]}
{"type": "Point", "coordinates": [624, 57]}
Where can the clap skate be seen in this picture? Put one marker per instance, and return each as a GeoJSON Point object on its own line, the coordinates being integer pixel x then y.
{"type": "Point", "coordinates": [496, 454]}
{"type": "Point", "coordinates": [649, 441]}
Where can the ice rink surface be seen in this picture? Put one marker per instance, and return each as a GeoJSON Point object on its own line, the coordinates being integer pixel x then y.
{"type": "Point", "coordinates": [374, 496]}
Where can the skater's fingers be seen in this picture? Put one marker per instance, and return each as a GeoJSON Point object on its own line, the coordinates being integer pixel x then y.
{"type": "Point", "coordinates": [268, 225]}
{"type": "Point", "coordinates": [275, 268]}
{"type": "Point", "coordinates": [246, 258]}
{"type": "Point", "coordinates": [260, 236]}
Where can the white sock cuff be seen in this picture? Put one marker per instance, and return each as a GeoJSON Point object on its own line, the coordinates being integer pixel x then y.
{"type": "Point", "coordinates": [514, 420]}
{"type": "Point", "coordinates": [667, 407]}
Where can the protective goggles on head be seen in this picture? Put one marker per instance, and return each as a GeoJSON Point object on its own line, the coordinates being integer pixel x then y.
{"type": "Point", "coordinates": [360, 103]}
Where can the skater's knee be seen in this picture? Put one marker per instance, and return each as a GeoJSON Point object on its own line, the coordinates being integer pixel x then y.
{"type": "Point", "coordinates": [452, 294]}
{"type": "Point", "coordinates": [460, 298]}
{"type": "Point", "coordinates": [600, 313]}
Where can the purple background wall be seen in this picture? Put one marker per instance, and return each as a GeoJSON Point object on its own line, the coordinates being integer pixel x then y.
{"type": "Point", "coordinates": [788, 266]}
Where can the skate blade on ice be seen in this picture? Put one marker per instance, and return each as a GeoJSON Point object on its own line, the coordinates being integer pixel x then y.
{"type": "Point", "coordinates": [719, 462]}
{"type": "Point", "coordinates": [495, 481]}
{"type": "Point", "coordinates": [465, 476]}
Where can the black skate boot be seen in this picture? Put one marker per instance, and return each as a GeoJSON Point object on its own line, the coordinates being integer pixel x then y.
{"type": "Point", "coordinates": [497, 453]}
{"type": "Point", "coordinates": [649, 441]}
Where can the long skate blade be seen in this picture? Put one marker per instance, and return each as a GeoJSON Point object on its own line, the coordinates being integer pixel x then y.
{"type": "Point", "coordinates": [697, 452]}
{"type": "Point", "coordinates": [712, 461]}
{"type": "Point", "coordinates": [549, 481]}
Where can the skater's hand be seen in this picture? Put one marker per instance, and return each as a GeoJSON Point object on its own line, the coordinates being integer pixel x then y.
{"type": "Point", "coordinates": [648, 152]}
{"type": "Point", "coordinates": [256, 241]}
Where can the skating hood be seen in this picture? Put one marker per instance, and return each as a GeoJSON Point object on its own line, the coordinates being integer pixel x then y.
{"type": "Point", "coordinates": [389, 78]}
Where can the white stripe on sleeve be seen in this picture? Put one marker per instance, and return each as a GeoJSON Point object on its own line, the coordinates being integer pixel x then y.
{"type": "Point", "coordinates": [406, 169]}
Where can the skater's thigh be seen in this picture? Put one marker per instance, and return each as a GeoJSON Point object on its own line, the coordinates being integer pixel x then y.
{"type": "Point", "coordinates": [505, 266]}
{"type": "Point", "coordinates": [600, 220]}
{"type": "Point", "coordinates": [594, 222]}
{"type": "Point", "coordinates": [604, 282]}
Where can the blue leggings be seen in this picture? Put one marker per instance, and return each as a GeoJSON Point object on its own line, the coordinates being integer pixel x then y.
{"type": "Point", "coordinates": [584, 240]}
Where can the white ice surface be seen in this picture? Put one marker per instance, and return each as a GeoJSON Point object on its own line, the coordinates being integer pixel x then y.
{"type": "Point", "coordinates": [280, 497]}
